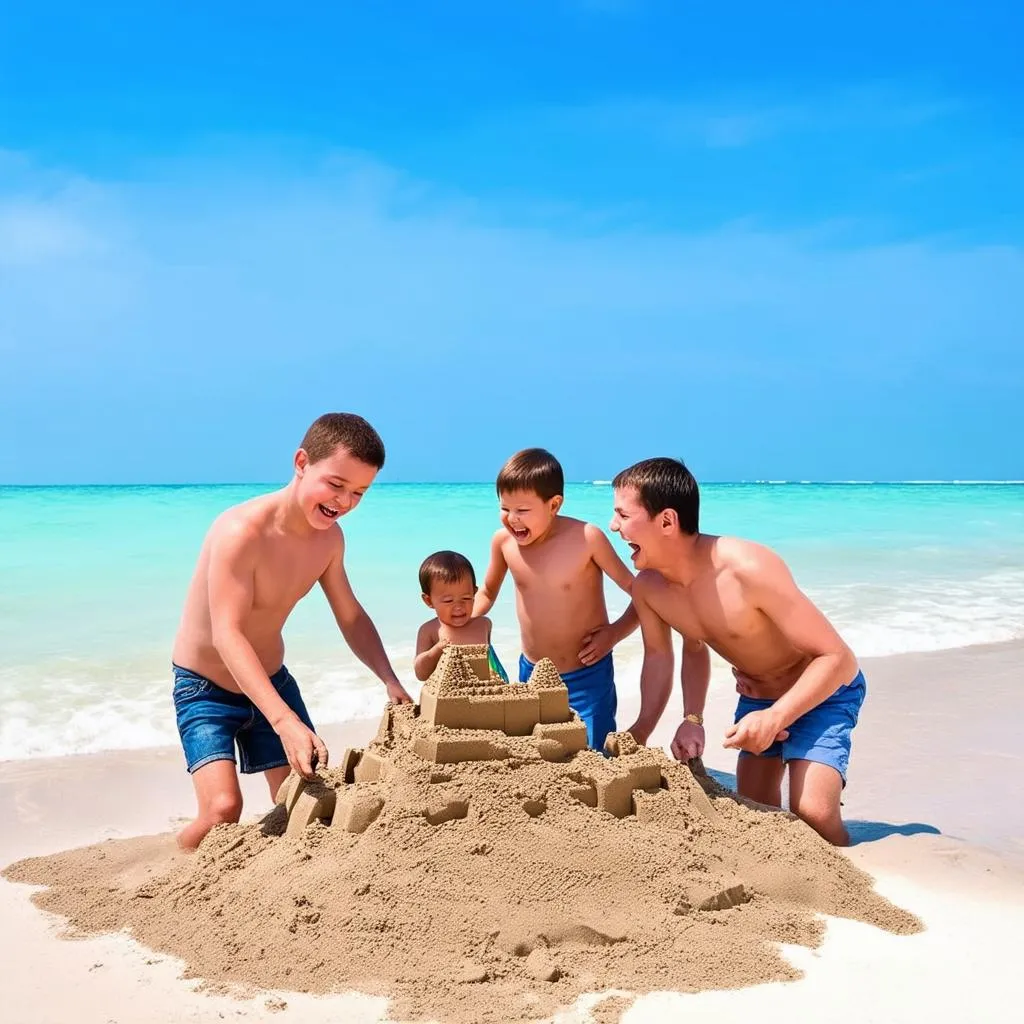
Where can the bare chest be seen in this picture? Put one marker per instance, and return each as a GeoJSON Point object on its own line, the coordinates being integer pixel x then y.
{"type": "Point", "coordinates": [555, 570]}
{"type": "Point", "coordinates": [286, 572]}
{"type": "Point", "coordinates": [713, 610]}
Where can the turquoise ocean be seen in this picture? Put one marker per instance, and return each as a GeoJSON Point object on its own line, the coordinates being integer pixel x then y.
{"type": "Point", "coordinates": [92, 580]}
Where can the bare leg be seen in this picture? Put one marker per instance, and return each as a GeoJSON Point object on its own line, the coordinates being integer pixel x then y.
{"type": "Point", "coordinates": [814, 792]}
{"type": "Point", "coordinates": [760, 779]}
{"type": "Point", "coordinates": [219, 798]}
{"type": "Point", "coordinates": [274, 777]}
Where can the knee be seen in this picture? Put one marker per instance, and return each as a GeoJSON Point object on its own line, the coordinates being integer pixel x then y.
{"type": "Point", "coordinates": [824, 818]}
{"type": "Point", "coordinates": [225, 807]}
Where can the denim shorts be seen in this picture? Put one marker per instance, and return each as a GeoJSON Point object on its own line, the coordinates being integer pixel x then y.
{"type": "Point", "coordinates": [822, 734]}
{"type": "Point", "coordinates": [212, 720]}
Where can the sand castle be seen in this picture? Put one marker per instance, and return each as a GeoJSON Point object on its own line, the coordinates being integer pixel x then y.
{"type": "Point", "coordinates": [475, 863]}
{"type": "Point", "coordinates": [467, 713]}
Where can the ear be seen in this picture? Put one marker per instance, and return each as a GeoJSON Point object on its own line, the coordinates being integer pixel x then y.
{"type": "Point", "coordinates": [668, 519]}
{"type": "Point", "coordinates": [301, 462]}
{"type": "Point", "coordinates": [427, 601]}
{"type": "Point", "coordinates": [556, 503]}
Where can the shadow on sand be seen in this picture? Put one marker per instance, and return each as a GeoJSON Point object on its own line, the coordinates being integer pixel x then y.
{"type": "Point", "coordinates": [860, 831]}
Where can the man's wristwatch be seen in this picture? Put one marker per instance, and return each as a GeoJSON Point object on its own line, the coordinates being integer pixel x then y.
{"type": "Point", "coordinates": [696, 719]}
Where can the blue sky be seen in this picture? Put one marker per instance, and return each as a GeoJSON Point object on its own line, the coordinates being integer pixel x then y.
{"type": "Point", "coordinates": [782, 241]}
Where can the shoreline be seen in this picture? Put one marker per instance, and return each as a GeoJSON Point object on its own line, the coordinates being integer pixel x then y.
{"type": "Point", "coordinates": [956, 813]}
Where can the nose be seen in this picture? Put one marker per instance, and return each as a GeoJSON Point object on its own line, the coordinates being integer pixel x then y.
{"type": "Point", "coordinates": [614, 524]}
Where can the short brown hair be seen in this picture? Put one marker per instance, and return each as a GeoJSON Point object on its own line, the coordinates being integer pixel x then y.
{"type": "Point", "coordinates": [445, 567]}
{"type": "Point", "coordinates": [661, 484]}
{"type": "Point", "coordinates": [532, 469]}
{"type": "Point", "coordinates": [345, 430]}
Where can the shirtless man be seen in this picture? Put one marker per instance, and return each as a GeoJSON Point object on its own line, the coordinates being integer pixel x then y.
{"type": "Point", "coordinates": [257, 562]}
{"type": "Point", "coordinates": [558, 566]}
{"type": "Point", "coordinates": [800, 686]}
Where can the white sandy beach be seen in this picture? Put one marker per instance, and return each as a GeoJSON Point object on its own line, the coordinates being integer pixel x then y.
{"type": "Point", "coordinates": [933, 804]}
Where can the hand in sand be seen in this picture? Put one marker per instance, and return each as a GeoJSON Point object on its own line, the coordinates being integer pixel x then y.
{"type": "Point", "coordinates": [755, 732]}
{"type": "Point", "coordinates": [396, 693]}
{"type": "Point", "coordinates": [688, 742]}
{"type": "Point", "coordinates": [639, 733]}
{"type": "Point", "coordinates": [597, 642]}
{"type": "Point", "coordinates": [304, 749]}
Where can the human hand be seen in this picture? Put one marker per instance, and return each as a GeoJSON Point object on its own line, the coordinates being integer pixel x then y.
{"type": "Point", "coordinates": [597, 643]}
{"type": "Point", "coordinates": [755, 732]}
{"type": "Point", "coordinates": [688, 741]}
{"type": "Point", "coordinates": [639, 733]}
{"type": "Point", "coordinates": [303, 748]}
{"type": "Point", "coordinates": [397, 693]}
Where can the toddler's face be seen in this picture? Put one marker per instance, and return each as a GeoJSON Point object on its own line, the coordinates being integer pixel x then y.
{"type": "Point", "coordinates": [453, 602]}
{"type": "Point", "coordinates": [527, 515]}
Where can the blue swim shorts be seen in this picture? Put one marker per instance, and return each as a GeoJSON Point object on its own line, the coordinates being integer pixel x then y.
{"type": "Point", "coordinates": [822, 734]}
{"type": "Point", "coordinates": [212, 720]}
{"type": "Point", "coordinates": [591, 695]}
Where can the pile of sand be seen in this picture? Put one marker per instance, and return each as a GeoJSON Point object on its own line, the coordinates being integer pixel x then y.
{"type": "Point", "coordinates": [479, 890]}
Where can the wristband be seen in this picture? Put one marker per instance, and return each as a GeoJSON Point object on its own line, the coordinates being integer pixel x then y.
{"type": "Point", "coordinates": [696, 719]}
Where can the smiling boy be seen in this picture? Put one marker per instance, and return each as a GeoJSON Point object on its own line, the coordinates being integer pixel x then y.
{"type": "Point", "coordinates": [558, 565]}
{"type": "Point", "coordinates": [800, 685]}
{"type": "Point", "coordinates": [259, 559]}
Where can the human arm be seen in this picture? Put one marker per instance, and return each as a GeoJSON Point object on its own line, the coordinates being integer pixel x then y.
{"type": "Point", "coordinates": [602, 638]}
{"type": "Point", "coordinates": [771, 589]}
{"type": "Point", "coordinates": [656, 674]}
{"type": "Point", "coordinates": [230, 580]}
{"type": "Point", "coordinates": [429, 646]}
{"type": "Point", "coordinates": [496, 569]}
{"type": "Point", "coordinates": [357, 627]}
{"type": "Point", "coordinates": [688, 741]}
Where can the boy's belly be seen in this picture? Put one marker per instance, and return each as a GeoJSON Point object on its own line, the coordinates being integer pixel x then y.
{"type": "Point", "coordinates": [559, 636]}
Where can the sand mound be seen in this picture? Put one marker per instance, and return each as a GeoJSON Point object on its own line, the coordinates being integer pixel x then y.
{"type": "Point", "coordinates": [492, 889]}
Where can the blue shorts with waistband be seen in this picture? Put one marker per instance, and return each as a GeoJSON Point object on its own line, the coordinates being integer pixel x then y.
{"type": "Point", "coordinates": [212, 721]}
{"type": "Point", "coordinates": [821, 734]}
{"type": "Point", "coordinates": [591, 696]}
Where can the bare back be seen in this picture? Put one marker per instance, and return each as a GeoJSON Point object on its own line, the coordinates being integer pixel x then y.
{"type": "Point", "coordinates": [284, 567]}
{"type": "Point", "coordinates": [559, 592]}
{"type": "Point", "coordinates": [719, 607]}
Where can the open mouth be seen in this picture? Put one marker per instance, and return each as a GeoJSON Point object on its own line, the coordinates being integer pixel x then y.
{"type": "Point", "coordinates": [520, 534]}
{"type": "Point", "coordinates": [635, 549]}
{"type": "Point", "coordinates": [330, 513]}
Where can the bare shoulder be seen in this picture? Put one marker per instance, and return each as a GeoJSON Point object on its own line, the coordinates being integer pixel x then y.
{"type": "Point", "coordinates": [751, 562]}
{"type": "Point", "coordinates": [572, 531]}
{"type": "Point", "coordinates": [647, 584]}
{"type": "Point", "coordinates": [593, 534]}
{"type": "Point", "coordinates": [428, 627]}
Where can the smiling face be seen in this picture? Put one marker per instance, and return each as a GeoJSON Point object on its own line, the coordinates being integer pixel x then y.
{"type": "Point", "coordinates": [527, 516]}
{"type": "Point", "coordinates": [645, 534]}
{"type": "Point", "coordinates": [453, 602]}
{"type": "Point", "coordinates": [330, 487]}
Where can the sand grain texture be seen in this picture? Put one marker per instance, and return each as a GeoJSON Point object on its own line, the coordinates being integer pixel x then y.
{"type": "Point", "coordinates": [486, 890]}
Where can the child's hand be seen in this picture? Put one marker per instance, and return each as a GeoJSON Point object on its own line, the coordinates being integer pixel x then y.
{"type": "Point", "coordinates": [301, 744]}
{"type": "Point", "coordinates": [597, 643]}
{"type": "Point", "coordinates": [755, 732]}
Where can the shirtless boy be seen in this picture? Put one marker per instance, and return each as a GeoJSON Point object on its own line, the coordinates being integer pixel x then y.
{"type": "Point", "coordinates": [800, 686]}
{"type": "Point", "coordinates": [448, 586]}
{"type": "Point", "coordinates": [558, 567]}
{"type": "Point", "coordinates": [257, 562]}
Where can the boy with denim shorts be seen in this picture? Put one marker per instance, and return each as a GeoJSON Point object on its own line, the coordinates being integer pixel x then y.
{"type": "Point", "coordinates": [259, 559]}
{"type": "Point", "coordinates": [558, 566]}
